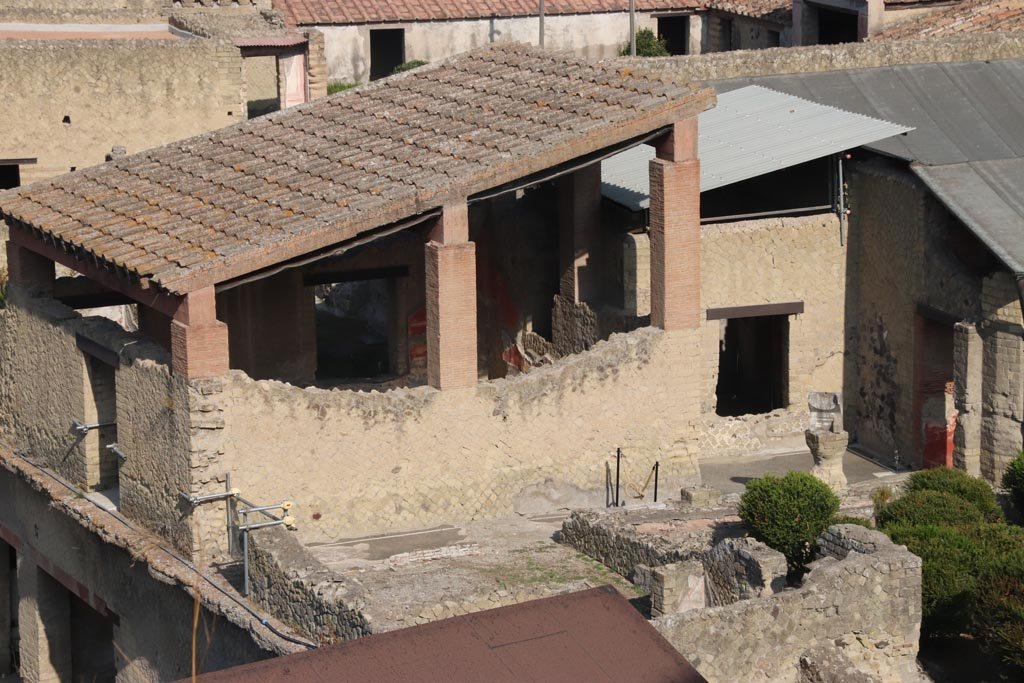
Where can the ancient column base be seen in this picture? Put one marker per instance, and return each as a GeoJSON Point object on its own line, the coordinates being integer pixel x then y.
{"type": "Point", "coordinates": [828, 449]}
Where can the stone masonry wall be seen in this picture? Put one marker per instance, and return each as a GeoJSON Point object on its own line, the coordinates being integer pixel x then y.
{"type": "Point", "coordinates": [289, 582]}
{"type": "Point", "coordinates": [868, 606]}
{"type": "Point", "coordinates": [409, 457]}
{"type": "Point", "coordinates": [42, 386]}
{"type": "Point", "coordinates": [742, 568]}
{"type": "Point", "coordinates": [1002, 374]}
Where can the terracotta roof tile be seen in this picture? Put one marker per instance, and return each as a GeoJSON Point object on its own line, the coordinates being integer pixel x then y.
{"type": "Point", "coordinates": [969, 16]}
{"type": "Point", "coordinates": [316, 12]}
{"type": "Point", "coordinates": [225, 204]}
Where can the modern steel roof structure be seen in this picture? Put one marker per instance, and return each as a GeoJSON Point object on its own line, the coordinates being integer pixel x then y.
{"type": "Point", "coordinates": [227, 204]}
{"type": "Point", "coordinates": [751, 131]}
{"type": "Point", "coordinates": [592, 636]}
{"type": "Point", "coordinates": [988, 196]}
{"type": "Point", "coordinates": [968, 121]}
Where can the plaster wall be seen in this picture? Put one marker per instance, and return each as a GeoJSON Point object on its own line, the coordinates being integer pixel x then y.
{"type": "Point", "coordinates": [589, 35]}
{"type": "Point", "coordinates": [44, 392]}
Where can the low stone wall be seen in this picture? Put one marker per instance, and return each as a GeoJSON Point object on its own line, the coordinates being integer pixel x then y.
{"type": "Point", "coordinates": [867, 606]}
{"type": "Point", "coordinates": [742, 568]}
{"type": "Point", "coordinates": [292, 585]}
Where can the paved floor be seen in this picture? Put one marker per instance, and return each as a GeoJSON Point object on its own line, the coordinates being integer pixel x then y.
{"type": "Point", "coordinates": [729, 475]}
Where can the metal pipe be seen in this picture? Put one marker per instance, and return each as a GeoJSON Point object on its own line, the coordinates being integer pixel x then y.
{"type": "Point", "coordinates": [84, 429]}
{"type": "Point", "coordinates": [116, 450]}
{"type": "Point", "coordinates": [230, 514]}
{"type": "Point", "coordinates": [842, 204]}
{"type": "Point", "coordinates": [286, 505]}
{"type": "Point", "coordinates": [286, 522]}
{"type": "Point", "coordinates": [542, 23]}
{"type": "Point", "coordinates": [765, 214]}
{"type": "Point", "coordinates": [245, 555]}
{"type": "Point", "coordinates": [196, 501]}
{"type": "Point", "coordinates": [618, 458]}
{"type": "Point", "coordinates": [657, 471]}
{"type": "Point", "coordinates": [632, 28]}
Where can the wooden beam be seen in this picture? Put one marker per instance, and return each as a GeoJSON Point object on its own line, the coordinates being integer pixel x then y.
{"type": "Point", "coordinates": [164, 302]}
{"type": "Point", "coordinates": [789, 308]}
{"type": "Point", "coordinates": [98, 351]}
{"type": "Point", "coordinates": [81, 292]}
{"type": "Point", "coordinates": [330, 277]}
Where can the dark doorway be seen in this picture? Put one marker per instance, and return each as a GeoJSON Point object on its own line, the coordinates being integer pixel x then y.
{"type": "Point", "coordinates": [92, 644]}
{"type": "Point", "coordinates": [352, 329]}
{"type": "Point", "coordinates": [836, 27]}
{"type": "Point", "coordinates": [725, 40]}
{"type": "Point", "coordinates": [676, 33]}
{"type": "Point", "coordinates": [9, 610]}
{"type": "Point", "coordinates": [10, 176]}
{"type": "Point", "coordinates": [773, 39]}
{"type": "Point", "coordinates": [102, 464]}
{"type": "Point", "coordinates": [387, 50]}
{"type": "Point", "coordinates": [753, 367]}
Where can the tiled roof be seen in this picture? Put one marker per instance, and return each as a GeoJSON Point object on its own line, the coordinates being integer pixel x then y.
{"type": "Point", "coordinates": [306, 12]}
{"type": "Point", "coordinates": [228, 203]}
{"type": "Point", "coordinates": [773, 10]}
{"type": "Point", "coordinates": [973, 15]}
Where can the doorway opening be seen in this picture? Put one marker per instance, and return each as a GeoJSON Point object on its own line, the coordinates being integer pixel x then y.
{"type": "Point", "coordinates": [933, 391]}
{"type": "Point", "coordinates": [836, 27]}
{"type": "Point", "coordinates": [753, 365]}
{"type": "Point", "coordinates": [92, 644]}
{"type": "Point", "coordinates": [676, 33]}
{"type": "Point", "coordinates": [353, 322]}
{"type": "Point", "coordinates": [10, 176]}
{"type": "Point", "coordinates": [101, 462]}
{"type": "Point", "coordinates": [387, 51]}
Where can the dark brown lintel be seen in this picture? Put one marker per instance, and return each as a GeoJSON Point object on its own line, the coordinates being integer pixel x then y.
{"type": "Point", "coordinates": [788, 308]}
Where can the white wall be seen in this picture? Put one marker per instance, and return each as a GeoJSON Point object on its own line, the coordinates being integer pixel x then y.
{"type": "Point", "coordinates": [589, 35]}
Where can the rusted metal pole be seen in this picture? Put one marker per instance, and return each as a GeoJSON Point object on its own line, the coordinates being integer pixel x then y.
{"type": "Point", "coordinates": [542, 23]}
{"type": "Point", "coordinates": [632, 28]}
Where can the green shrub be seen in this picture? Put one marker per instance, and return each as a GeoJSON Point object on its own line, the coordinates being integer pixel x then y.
{"type": "Point", "coordinates": [999, 618]}
{"type": "Point", "coordinates": [409, 66]}
{"type": "Point", "coordinates": [788, 513]}
{"type": "Point", "coordinates": [339, 87]}
{"type": "Point", "coordinates": [1013, 481]}
{"type": "Point", "coordinates": [929, 507]}
{"type": "Point", "coordinates": [949, 576]}
{"type": "Point", "coordinates": [850, 519]}
{"type": "Point", "coordinates": [961, 485]}
{"type": "Point", "coordinates": [647, 45]}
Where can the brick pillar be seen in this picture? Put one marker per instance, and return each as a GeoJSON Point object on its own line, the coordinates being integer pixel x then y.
{"type": "Point", "coordinates": [29, 269]}
{"type": "Point", "coordinates": [967, 381]}
{"type": "Point", "coordinates": [6, 552]}
{"type": "Point", "coordinates": [316, 65]}
{"type": "Point", "coordinates": [451, 302]}
{"type": "Point", "coordinates": [44, 623]}
{"type": "Point", "coordinates": [579, 222]}
{"type": "Point", "coordinates": [675, 230]}
{"type": "Point", "coordinates": [199, 342]}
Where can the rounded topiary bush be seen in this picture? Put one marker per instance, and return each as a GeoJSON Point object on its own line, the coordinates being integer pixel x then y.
{"type": "Point", "coordinates": [929, 507]}
{"type": "Point", "coordinates": [788, 513]}
{"type": "Point", "coordinates": [1013, 481]}
{"type": "Point", "coordinates": [949, 581]}
{"type": "Point", "coordinates": [961, 485]}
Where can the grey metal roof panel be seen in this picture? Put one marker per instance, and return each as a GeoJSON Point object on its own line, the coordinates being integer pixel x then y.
{"type": "Point", "coordinates": [968, 111]}
{"type": "Point", "coordinates": [988, 196]}
{"type": "Point", "coordinates": [751, 131]}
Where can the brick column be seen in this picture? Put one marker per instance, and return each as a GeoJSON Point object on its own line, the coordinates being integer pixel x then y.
{"type": "Point", "coordinates": [5, 608]}
{"type": "Point", "coordinates": [675, 230]}
{"type": "Point", "coordinates": [968, 353]}
{"type": "Point", "coordinates": [451, 302]}
{"type": "Point", "coordinates": [44, 623]}
{"type": "Point", "coordinates": [29, 269]}
{"type": "Point", "coordinates": [199, 342]}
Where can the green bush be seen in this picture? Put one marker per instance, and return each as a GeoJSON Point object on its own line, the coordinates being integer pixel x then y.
{"type": "Point", "coordinates": [339, 87]}
{"type": "Point", "coordinates": [647, 45]}
{"type": "Point", "coordinates": [961, 485]}
{"type": "Point", "coordinates": [949, 577]}
{"type": "Point", "coordinates": [850, 519]}
{"type": "Point", "coordinates": [929, 507]}
{"type": "Point", "coordinates": [1013, 481]}
{"type": "Point", "coordinates": [999, 618]}
{"type": "Point", "coordinates": [788, 513]}
{"type": "Point", "coordinates": [409, 66]}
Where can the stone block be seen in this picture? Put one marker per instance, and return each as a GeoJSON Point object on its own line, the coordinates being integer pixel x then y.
{"type": "Point", "coordinates": [828, 449]}
{"type": "Point", "coordinates": [677, 587]}
{"type": "Point", "coordinates": [700, 496]}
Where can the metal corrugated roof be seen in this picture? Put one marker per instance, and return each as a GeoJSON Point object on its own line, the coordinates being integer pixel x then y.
{"type": "Point", "coordinates": [752, 131]}
{"type": "Point", "coordinates": [988, 196]}
{"type": "Point", "coordinates": [969, 111]}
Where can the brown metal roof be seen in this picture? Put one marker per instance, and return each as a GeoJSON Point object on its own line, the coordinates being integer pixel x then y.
{"type": "Point", "coordinates": [225, 204]}
{"type": "Point", "coordinates": [593, 636]}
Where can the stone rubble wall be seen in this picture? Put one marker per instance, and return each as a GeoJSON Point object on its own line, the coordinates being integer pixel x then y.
{"type": "Point", "coordinates": [868, 606]}
{"type": "Point", "coordinates": [295, 587]}
{"type": "Point", "coordinates": [742, 568]}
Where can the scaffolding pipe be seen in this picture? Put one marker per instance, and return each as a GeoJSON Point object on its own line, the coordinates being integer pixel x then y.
{"type": "Point", "coordinates": [632, 28]}
{"type": "Point", "coordinates": [542, 23]}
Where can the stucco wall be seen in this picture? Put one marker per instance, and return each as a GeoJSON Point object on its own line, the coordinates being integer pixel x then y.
{"type": "Point", "coordinates": [135, 94]}
{"type": "Point", "coordinates": [902, 256]}
{"type": "Point", "coordinates": [357, 462]}
{"type": "Point", "coordinates": [44, 391]}
{"type": "Point", "coordinates": [589, 35]}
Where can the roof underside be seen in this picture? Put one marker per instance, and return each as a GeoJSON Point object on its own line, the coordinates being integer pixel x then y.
{"type": "Point", "coordinates": [988, 196]}
{"type": "Point", "coordinates": [750, 132]}
{"type": "Point", "coordinates": [225, 204]}
{"type": "Point", "coordinates": [967, 111]}
{"type": "Point", "coordinates": [594, 636]}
